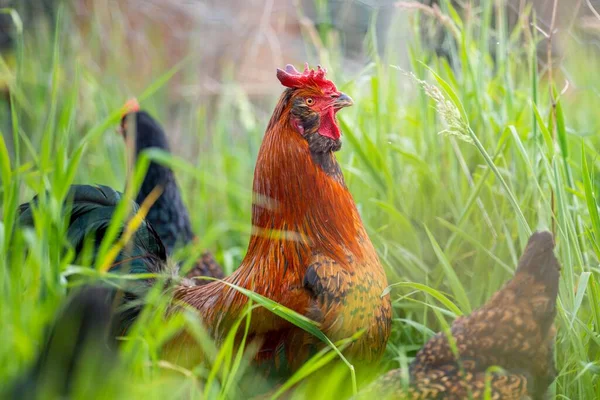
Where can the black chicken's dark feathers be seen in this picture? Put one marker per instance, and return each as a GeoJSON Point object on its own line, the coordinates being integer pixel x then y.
{"type": "Point", "coordinates": [90, 210]}
{"type": "Point", "coordinates": [168, 215]}
{"type": "Point", "coordinates": [81, 344]}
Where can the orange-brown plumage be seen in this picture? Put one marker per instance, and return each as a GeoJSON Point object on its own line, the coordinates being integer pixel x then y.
{"type": "Point", "coordinates": [309, 250]}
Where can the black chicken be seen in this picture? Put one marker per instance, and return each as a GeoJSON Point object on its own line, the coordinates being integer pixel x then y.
{"type": "Point", "coordinates": [90, 210]}
{"type": "Point", "coordinates": [168, 215]}
{"type": "Point", "coordinates": [84, 332]}
{"type": "Point", "coordinates": [80, 350]}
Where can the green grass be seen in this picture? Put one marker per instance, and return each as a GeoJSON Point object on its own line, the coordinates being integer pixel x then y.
{"type": "Point", "coordinates": [449, 218]}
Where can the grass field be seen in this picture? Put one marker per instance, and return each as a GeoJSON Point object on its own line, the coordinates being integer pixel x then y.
{"type": "Point", "coordinates": [448, 213]}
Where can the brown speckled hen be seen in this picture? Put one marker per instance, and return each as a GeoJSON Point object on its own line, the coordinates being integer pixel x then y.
{"type": "Point", "coordinates": [514, 330]}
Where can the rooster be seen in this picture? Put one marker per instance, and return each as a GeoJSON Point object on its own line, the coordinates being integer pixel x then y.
{"type": "Point", "coordinates": [308, 251]}
{"type": "Point", "coordinates": [168, 215]}
{"type": "Point", "coordinates": [513, 330]}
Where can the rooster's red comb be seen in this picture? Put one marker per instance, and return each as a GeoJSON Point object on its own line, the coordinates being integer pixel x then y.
{"type": "Point", "coordinates": [293, 79]}
{"type": "Point", "coordinates": [130, 106]}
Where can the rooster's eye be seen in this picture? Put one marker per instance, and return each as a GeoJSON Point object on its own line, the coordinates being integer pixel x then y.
{"type": "Point", "coordinates": [310, 101]}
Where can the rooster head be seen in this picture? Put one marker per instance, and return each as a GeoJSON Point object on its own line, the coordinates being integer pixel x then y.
{"type": "Point", "coordinates": [314, 101]}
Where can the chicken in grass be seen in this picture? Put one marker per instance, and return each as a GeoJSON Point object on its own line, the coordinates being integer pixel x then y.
{"type": "Point", "coordinates": [68, 364]}
{"type": "Point", "coordinates": [514, 330]}
{"type": "Point", "coordinates": [308, 250]}
{"type": "Point", "coordinates": [168, 215]}
{"type": "Point", "coordinates": [90, 210]}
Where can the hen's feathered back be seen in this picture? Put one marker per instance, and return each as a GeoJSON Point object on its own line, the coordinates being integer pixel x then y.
{"type": "Point", "coordinates": [81, 349]}
{"type": "Point", "coordinates": [168, 215]}
{"type": "Point", "coordinates": [90, 210]}
{"type": "Point", "coordinates": [513, 330]}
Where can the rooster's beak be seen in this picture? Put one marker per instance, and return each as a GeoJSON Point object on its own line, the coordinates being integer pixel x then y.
{"type": "Point", "coordinates": [343, 100]}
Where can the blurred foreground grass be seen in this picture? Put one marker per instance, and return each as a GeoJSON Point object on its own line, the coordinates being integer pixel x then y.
{"type": "Point", "coordinates": [451, 211]}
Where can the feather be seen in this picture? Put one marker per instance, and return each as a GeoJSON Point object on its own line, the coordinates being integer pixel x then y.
{"type": "Point", "coordinates": [168, 215]}
{"type": "Point", "coordinates": [80, 348]}
{"type": "Point", "coordinates": [513, 330]}
{"type": "Point", "coordinates": [308, 251]}
{"type": "Point", "coordinates": [90, 210]}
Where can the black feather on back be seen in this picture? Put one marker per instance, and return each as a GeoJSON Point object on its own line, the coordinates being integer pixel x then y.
{"type": "Point", "coordinates": [80, 345]}
{"type": "Point", "coordinates": [168, 214]}
{"type": "Point", "coordinates": [90, 210]}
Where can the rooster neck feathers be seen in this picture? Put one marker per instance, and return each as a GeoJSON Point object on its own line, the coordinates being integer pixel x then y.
{"type": "Point", "coordinates": [301, 198]}
{"type": "Point", "coordinates": [302, 209]}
